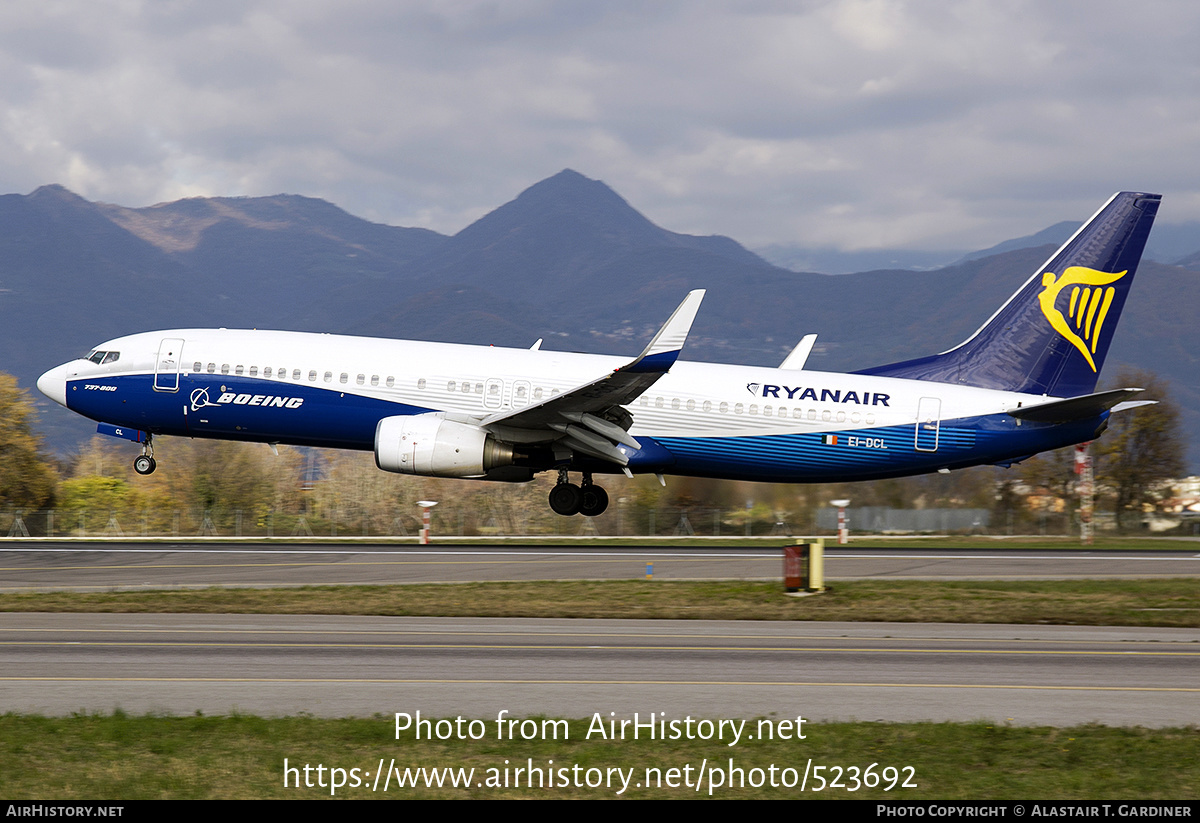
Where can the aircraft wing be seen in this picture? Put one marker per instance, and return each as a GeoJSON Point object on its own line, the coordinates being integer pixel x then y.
{"type": "Point", "coordinates": [581, 416]}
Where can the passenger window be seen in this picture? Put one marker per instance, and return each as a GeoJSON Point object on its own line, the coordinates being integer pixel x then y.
{"type": "Point", "coordinates": [361, 380]}
{"type": "Point", "coordinates": [841, 417]}
{"type": "Point", "coordinates": [374, 380]}
{"type": "Point", "coordinates": [826, 416]}
{"type": "Point", "coordinates": [391, 381]}
{"type": "Point", "coordinates": [479, 389]}
{"type": "Point", "coordinates": [345, 378]}
{"type": "Point", "coordinates": [767, 411]}
{"type": "Point", "coordinates": [724, 408]}
{"type": "Point", "coordinates": [658, 402]}
{"type": "Point", "coordinates": [450, 386]}
{"type": "Point", "coordinates": [212, 368]}
{"type": "Point", "coordinates": [754, 408]}
{"type": "Point", "coordinates": [295, 374]}
{"type": "Point", "coordinates": [737, 409]}
{"type": "Point", "coordinates": [239, 370]}
{"type": "Point", "coordinates": [420, 383]}
{"type": "Point", "coordinates": [707, 406]}
{"type": "Point", "coordinates": [267, 371]}
{"type": "Point", "coordinates": [224, 368]}
{"type": "Point", "coordinates": [197, 366]}
{"type": "Point", "coordinates": [691, 405]}
{"type": "Point", "coordinates": [312, 375]}
{"type": "Point", "coordinates": [812, 414]}
{"type": "Point", "coordinates": [254, 371]}
{"type": "Point", "coordinates": [466, 389]}
{"type": "Point", "coordinates": [328, 377]}
{"type": "Point", "coordinates": [537, 395]}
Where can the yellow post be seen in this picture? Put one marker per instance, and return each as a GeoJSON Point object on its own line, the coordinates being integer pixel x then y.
{"type": "Point", "coordinates": [816, 565]}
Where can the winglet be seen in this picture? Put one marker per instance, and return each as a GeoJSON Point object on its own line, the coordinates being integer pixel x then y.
{"type": "Point", "coordinates": [664, 349]}
{"type": "Point", "coordinates": [799, 355]}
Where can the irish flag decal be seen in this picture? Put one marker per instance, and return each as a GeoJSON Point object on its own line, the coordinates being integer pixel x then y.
{"type": "Point", "coordinates": [829, 439]}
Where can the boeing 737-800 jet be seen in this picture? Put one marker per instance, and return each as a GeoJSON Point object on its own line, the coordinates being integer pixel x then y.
{"type": "Point", "coordinates": [1023, 383]}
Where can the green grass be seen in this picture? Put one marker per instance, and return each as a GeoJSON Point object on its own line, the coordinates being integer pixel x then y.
{"type": "Point", "coordinates": [127, 757]}
{"type": "Point", "coordinates": [1158, 602]}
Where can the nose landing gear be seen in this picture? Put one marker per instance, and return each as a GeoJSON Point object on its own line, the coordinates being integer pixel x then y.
{"type": "Point", "coordinates": [144, 463]}
{"type": "Point", "coordinates": [587, 499]}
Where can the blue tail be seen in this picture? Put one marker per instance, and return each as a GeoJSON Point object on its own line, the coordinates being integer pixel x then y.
{"type": "Point", "coordinates": [1051, 337]}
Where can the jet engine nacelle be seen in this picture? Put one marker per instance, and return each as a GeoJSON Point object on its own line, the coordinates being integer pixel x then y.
{"type": "Point", "coordinates": [429, 444]}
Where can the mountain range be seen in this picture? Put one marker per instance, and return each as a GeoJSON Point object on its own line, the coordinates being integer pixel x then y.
{"type": "Point", "coordinates": [568, 259]}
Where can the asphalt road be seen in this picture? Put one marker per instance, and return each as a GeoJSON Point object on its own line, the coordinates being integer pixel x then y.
{"type": "Point", "coordinates": [105, 566]}
{"type": "Point", "coordinates": [341, 666]}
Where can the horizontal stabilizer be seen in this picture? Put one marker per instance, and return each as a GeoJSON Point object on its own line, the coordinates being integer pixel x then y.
{"type": "Point", "coordinates": [1076, 408]}
{"type": "Point", "coordinates": [1133, 404]}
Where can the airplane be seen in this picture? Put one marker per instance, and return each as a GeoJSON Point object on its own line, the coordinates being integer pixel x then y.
{"type": "Point", "coordinates": [1022, 384]}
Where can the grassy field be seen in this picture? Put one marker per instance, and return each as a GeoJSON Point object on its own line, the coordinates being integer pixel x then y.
{"type": "Point", "coordinates": [119, 756]}
{"type": "Point", "coordinates": [1161, 602]}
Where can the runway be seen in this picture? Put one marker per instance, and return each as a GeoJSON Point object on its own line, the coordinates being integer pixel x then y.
{"type": "Point", "coordinates": [26, 566]}
{"type": "Point", "coordinates": [342, 666]}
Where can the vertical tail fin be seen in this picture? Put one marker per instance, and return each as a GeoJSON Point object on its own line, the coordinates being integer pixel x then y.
{"type": "Point", "coordinates": [1052, 336]}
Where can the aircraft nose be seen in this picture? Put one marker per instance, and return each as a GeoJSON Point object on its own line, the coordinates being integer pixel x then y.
{"type": "Point", "coordinates": [53, 384]}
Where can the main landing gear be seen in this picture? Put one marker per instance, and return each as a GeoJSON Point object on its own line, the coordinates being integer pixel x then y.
{"type": "Point", "coordinates": [587, 499]}
{"type": "Point", "coordinates": [144, 463]}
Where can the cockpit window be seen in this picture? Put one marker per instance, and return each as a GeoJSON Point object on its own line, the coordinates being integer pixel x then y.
{"type": "Point", "coordinates": [95, 356]}
{"type": "Point", "coordinates": [101, 357]}
{"type": "Point", "coordinates": [111, 357]}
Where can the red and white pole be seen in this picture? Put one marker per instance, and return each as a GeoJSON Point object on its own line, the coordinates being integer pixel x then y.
{"type": "Point", "coordinates": [425, 505]}
{"type": "Point", "coordinates": [843, 532]}
{"type": "Point", "coordinates": [1087, 491]}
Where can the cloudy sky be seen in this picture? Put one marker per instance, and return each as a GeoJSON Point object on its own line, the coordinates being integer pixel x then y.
{"type": "Point", "coordinates": [846, 123]}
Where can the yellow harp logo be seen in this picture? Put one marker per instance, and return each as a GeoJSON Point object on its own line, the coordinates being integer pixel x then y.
{"type": "Point", "coordinates": [1091, 296]}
